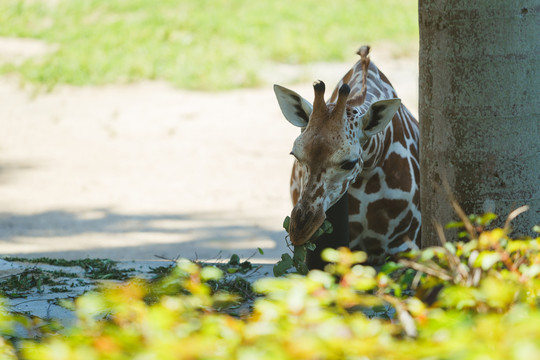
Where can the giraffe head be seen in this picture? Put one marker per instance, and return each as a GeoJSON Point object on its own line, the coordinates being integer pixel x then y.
{"type": "Point", "coordinates": [329, 150]}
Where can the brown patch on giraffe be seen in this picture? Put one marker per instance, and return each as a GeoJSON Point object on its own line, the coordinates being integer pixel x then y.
{"type": "Point", "coordinates": [371, 146]}
{"type": "Point", "coordinates": [416, 197]}
{"type": "Point", "coordinates": [402, 227]}
{"type": "Point", "coordinates": [296, 173]}
{"type": "Point", "coordinates": [373, 185]}
{"type": "Point", "coordinates": [388, 138]}
{"type": "Point", "coordinates": [406, 130]}
{"type": "Point", "coordinates": [319, 192]}
{"type": "Point", "coordinates": [380, 212]}
{"type": "Point", "coordinates": [414, 225]}
{"type": "Point", "coordinates": [295, 196]}
{"type": "Point", "coordinates": [397, 172]}
{"type": "Point", "coordinates": [354, 205]}
{"type": "Point", "coordinates": [373, 246]}
{"type": "Point", "coordinates": [344, 187]}
{"type": "Point", "coordinates": [398, 134]}
{"type": "Point", "coordinates": [347, 77]}
{"type": "Point", "coordinates": [355, 229]}
{"type": "Point", "coordinates": [369, 163]}
{"type": "Point", "coordinates": [371, 150]}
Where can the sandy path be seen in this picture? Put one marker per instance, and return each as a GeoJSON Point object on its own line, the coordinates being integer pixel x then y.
{"type": "Point", "coordinates": [130, 172]}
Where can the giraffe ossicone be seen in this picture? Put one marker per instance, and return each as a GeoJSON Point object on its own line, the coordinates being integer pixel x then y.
{"type": "Point", "coordinates": [364, 140]}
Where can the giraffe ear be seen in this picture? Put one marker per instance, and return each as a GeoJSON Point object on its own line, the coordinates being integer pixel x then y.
{"type": "Point", "coordinates": [379, 114]}
{"type": "Point", "coordinates": [295, 108]}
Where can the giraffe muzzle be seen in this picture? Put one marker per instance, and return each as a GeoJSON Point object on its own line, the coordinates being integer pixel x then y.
{"type": "Point", "coordinates": [304, 223]}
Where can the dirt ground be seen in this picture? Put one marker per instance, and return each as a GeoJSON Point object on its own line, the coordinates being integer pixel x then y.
{"type": "Point", "coordinates": [132, 172]}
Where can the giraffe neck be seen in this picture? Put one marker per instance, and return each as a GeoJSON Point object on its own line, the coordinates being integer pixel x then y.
{"type": "Point", "coordinates": [379, 87]}
{"type": "Point", "coordinates": [384, 197]}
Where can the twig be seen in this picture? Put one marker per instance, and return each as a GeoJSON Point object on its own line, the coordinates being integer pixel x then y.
{"type": "Point", "coordinates": [440, 232]}
{"type": "Point", "coordinates": [513, 215]}
{"type": "Point", "coordinates": [426, 269]}
{"type": "Point", "coordinates": [459, 211]}
{"type": "Point", "coordinates": [168, 259]}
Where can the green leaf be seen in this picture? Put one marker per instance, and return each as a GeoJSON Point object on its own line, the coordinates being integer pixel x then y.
{"type": "Point", "coordinates": [211, 273]}
{"type": "Point", "coordinates": [310, 246]}
{"type": "Point", "coordinates": [327, 227]}
{"type": "Point", "coordinates": [301, 268]}
{"type": "Point", "coordinates": [487, 259]}
{"type": "Point", "coordinates": [322, 277]}
{"type": "Point", "coordinates": [283, 265]}
{"type": "Point", "coordinates": [498, 293]}
{"type": "Point", "coordinates": [359, 256]}
{"type": "Point", "coordinates": [530, 271]}
{"type": "Point", "coordinates": [450, 247]}
{"type": "Point", "coordinates": [390, 267]}
{"type": "Point", "coordinates": [317, 234]}
{"type": "Point", "coordinates": [281, 268]}
{"type": "Point", "coordinates": [186, 266]}
{"type": "Point", "coordinates": [454, 224]}
{"type": "Point", "coordinates": [299, 254]}
{"type": "Point", "coordinates": [330, 255]}
{"type": "Point", "coordinates": [286, 223]}
{"type": "Point", "coordinates": [261, 251]}
{"type": "Point", "coordinates": [234, 260]}
{"type": "Point", "coordinates": [286, 257]}
{"type": "Point", "coordinates": [245, 266]}
{"type": "Point", "coordinates": [485, 219]}
{"type": "Point", "coordinates": [427, 254]}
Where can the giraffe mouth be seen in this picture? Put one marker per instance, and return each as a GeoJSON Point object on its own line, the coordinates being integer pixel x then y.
{"type": "Point", "coordinates": [304, 224]}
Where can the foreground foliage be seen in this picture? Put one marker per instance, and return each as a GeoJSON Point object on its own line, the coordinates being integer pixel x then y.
{"type": "Point", "coordinates": [466, 300]}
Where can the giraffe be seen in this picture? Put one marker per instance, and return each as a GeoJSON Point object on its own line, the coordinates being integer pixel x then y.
{"type": "Point", "coordinates": [363, 141]}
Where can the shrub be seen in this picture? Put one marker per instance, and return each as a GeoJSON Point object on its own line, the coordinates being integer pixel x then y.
{"type": "Point", "coordinates": [466, 300]}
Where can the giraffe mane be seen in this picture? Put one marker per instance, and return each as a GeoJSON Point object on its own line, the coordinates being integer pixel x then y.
{"type": "Point", "coordinates": [360, 98]}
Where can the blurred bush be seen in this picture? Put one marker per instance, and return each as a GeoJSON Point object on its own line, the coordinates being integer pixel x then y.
{"type": "Point", "coordinates": [464, 300]}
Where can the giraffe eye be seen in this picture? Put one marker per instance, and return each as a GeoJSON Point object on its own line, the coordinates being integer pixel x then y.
{"type": "Point", "coordinates": [349, 164]}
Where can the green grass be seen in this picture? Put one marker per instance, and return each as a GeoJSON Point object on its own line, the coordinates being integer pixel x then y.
{"type": "Point", "coordinates": [195, 44]}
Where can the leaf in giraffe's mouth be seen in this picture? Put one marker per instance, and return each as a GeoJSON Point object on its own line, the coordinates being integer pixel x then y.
{"type": "Point", "coordinates": [325, 228]}
{"type": "Point", "coordinates": [298, 260]}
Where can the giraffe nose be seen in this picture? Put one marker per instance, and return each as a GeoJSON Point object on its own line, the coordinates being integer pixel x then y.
{"type": "Point", "coordinates": [302, 217]}
{"type": "Point", "coordinates": [304, 223]}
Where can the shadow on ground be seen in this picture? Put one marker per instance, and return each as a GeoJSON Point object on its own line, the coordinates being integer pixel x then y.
{"type": "Point", "coordinates": [102, 232]}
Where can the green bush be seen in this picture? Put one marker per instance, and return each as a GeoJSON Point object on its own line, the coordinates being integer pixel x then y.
{"type": "Point", "coordinates": [465, 300]}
